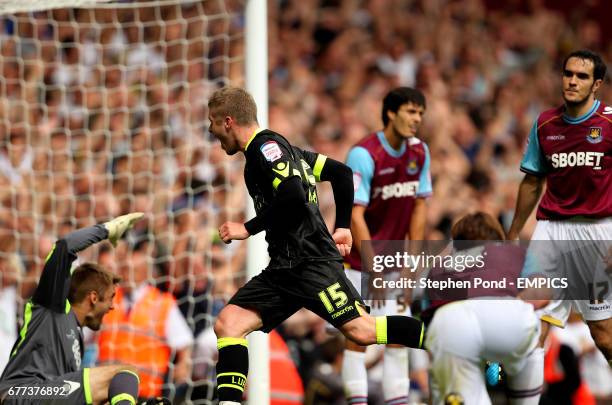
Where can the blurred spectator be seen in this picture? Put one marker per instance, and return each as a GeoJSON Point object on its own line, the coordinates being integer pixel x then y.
{"type": "Point", "coordinates": [146, 329]}
{"type": "Point", "coordinates": [9, 274]}
{"type": "Point", "coordinates": [325, 387]}
{"type": "Point", "coordinates": [594, 368]}
{"type": "Point", "coordinates": [564, 385]}
{"type": "Point", "coordinates": [286, 387]}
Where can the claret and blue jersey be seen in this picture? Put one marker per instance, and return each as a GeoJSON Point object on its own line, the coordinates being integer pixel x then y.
{"type": "Point", "coordinates": [574, 154]}
{"type": "Point", "coordinates": [387, 182]}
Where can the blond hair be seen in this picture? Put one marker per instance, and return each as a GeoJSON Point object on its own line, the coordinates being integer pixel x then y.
{"type": "Point", "coordinates": [234, 102]}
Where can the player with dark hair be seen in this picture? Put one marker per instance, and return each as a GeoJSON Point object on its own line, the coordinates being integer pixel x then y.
{"type": "Point", "coordinates": [392, 181]}
{"type": "Point", "coordinates": [305, 269]}
{"type": "Point", "coordinates": [570, 150]}
{"type": "Point", "coordinates": [45, 362]}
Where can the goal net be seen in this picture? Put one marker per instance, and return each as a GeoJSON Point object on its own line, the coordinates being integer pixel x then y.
{"type": "Point", "coordinates": [103, 111]}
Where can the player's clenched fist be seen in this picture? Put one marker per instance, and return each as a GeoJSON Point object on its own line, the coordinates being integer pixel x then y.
{"type": "Point", "coordinates": [233, 230]}
{"type": "Point", "coordinates": [344, 240]}
{"type": "Point", "coordinates": [118, 226]}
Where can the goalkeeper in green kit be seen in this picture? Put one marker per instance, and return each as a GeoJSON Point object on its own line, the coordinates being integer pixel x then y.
{"type": "Point", "coordinates": [45, 362]}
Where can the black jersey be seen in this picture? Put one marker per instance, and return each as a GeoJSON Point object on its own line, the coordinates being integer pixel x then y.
{"type": "Point", "coordinates": [50, 343]}
{"type": "Point", "coordinates": [270, 160]}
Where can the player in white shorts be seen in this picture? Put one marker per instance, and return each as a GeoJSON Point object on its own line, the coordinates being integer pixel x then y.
{"type": "Point", "coordinates": [392, 180]}
{"type": "Point", "coordinates": [491, 324]}
{"type": "Point", "coordinates": [588, 256]}
{"type": "Point", "coordinates": [570, 149]}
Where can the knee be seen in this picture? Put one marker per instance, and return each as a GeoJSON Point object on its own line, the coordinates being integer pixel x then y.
{"type": "Point", "coordinates": [220, 326]}
{"type": "Point", "coordinates": [225, 325]}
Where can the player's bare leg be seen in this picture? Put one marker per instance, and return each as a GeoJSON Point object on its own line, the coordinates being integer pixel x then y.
{"type": "Point", "coordinates": [231, 328]}
{"type": "Point", "coordinates": [367, 330]}
{"type": "Point", "coordinates": [236, 322]}
{"type": "Point", "coordinates": [107, 382]}
{"type": "Point", "coordinates": [601, 331]}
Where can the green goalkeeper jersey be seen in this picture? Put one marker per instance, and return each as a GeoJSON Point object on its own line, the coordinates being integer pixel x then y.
{"type": "Point", "coordinates": [50, 342]}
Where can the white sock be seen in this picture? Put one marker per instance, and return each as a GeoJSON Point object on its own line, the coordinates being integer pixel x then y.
{"type": "Point", "coordinates": [229, 403]}
{"type": "Point", "coordinates": [525, 388]}
{"type": "Point", "coordinates": [355, 378]}
{"type": "Point", "coordinates": [396, 382]}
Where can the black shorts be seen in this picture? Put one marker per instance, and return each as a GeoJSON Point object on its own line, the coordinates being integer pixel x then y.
{"type": "Point", "coordinates": [320, 286]}
{"type": "Point", "coordinates": [67, 389]}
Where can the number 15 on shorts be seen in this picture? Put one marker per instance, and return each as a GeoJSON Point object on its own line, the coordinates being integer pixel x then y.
{"type": "Point", "coordinates": [335, 295]}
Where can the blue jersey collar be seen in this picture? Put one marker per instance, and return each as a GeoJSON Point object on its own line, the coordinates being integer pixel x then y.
{"type": "Point", "coordinates": [584, 117]}
{"type": "Point", "coordinates": [388, 148]}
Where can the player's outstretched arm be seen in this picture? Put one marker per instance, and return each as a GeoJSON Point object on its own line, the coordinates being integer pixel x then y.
{"type": "Point", "coordinates": [54, 281]}
{"type": "Point", "coordinates": [528, 196]}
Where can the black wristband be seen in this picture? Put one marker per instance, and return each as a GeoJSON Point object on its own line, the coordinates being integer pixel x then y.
{"type": "Point", "coordinates": [254, 226]}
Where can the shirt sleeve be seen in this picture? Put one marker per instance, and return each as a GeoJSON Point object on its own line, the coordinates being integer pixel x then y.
{"type": "Point", "coordinates": [54, 284]}
{"type": "Point", "coordinates": [178, 334]}
{"type": "Point", "coordinates": [362, 164]}
{"type": "Point", "coordinates": [316, 161]}
{"type": "Point", "coordinates": [273, 159]}
{"type": "Point", "coordinates": [425, 189]}
{"type": "Point", "coordinates": [533, 161]}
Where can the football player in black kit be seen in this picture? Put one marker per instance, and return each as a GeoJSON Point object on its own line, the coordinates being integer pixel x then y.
{"type": "Point", "coordinates": [305, 268]}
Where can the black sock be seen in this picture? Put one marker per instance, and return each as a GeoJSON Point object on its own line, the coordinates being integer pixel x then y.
{"type": "Point", "coordinates": [402, 330]}
{"type": "Point", "coordinates": [232, 368]}
{"type": "Point", "coordinates": [123, 388]}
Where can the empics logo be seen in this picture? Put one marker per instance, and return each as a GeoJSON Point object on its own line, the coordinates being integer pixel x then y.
{"type": "Point", "coordinates": [594, 135]}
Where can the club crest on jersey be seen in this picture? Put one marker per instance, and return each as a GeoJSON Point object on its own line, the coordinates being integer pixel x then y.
{"type": "Point", "coordinates": [594, 135]}
{"type": "Point", "coordinates": [271, 151]}
{"type": "Point", "coordinates": [412, 167]}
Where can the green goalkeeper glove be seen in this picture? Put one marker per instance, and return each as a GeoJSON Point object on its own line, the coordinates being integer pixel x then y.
{"type": "Point", "coordinates": [117, 227]}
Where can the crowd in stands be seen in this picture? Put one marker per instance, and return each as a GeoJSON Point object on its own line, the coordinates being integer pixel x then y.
{"type": "Point", "coordinates": [103, 112]}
